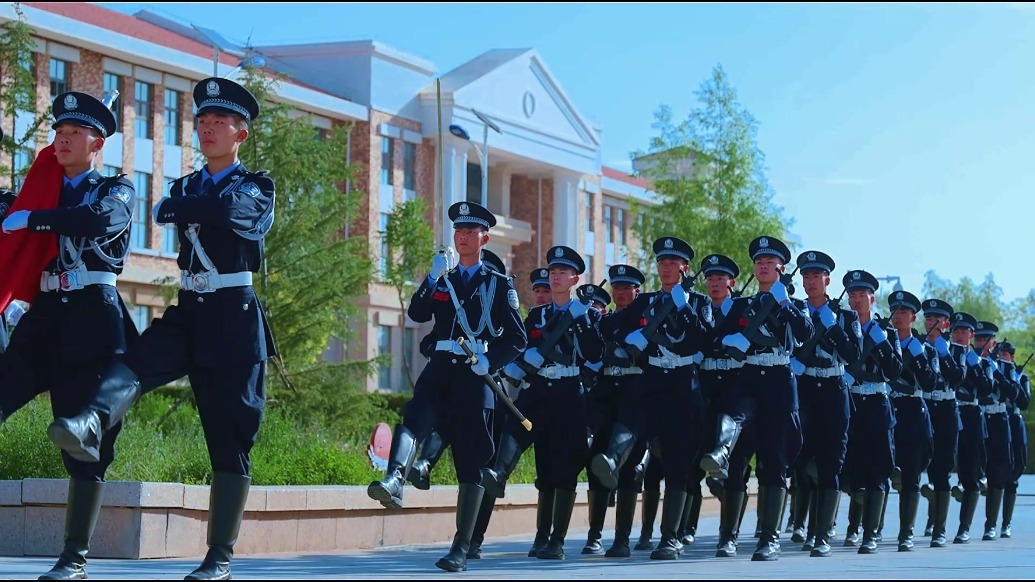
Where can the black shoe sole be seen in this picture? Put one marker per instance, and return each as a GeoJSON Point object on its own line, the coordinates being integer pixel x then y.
{"type": "Point", "coordinates": [69, 442]}
{"type": "Point", "coordinates": [450, 567]}
{"type": "Point", "coordinates": [602, 469]}
{"type": "Point", "coordinates": [643, 546]}
{"type": "Point", "coordinates": [713, 469]}
{"type": "Point", "coordinates": [378, 493]}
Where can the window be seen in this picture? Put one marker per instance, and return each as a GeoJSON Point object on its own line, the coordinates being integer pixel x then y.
{"type": "Point", "coordinates": [141, 317]}
{"type": "Point", "coordinates": [113, 82]}
{"type": "Point", "coordinates": [384, 347]}
{"type": "Point", "coordinates": [410, 166]}
{"type": "Point", "coordinates": [173, 117]}
{"type": "Point", "coordinates": [474, 183]}
{"type": "Point", "coordinates": [608, 234]}
{"type": "Point", "coordinates": [170, 236]}
{"type": "Point", "coordinates": [58, 77]}
{"type": "Point", "coordinates": [621, 225]}
{"type": "Point", "coordinates": [22, 160]}
{"type": "Point", "coordinates": [107, 170]}
{"type": "Point", "coordinates": [386, 161]}
{"type": "Point", "coordinates": [140, 236]}
{"type": "Point", "coordinates": [142, 122]}
{"type": "Point", "coordinates": [383, 232]}
{"type": "Point", "coordinates": [408, 335]}
{"type": "Point", "coordinates": [589, 212]}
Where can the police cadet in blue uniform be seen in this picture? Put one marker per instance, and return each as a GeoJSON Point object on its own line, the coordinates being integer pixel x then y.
{"type": "Point", "coordinates": [970, 460]}
{"type": "Point", "coordinates": [945, 416]}
{"type": "Point", "coordinates": [78, 321]}
{"type": "Point", "coordinates": [914, 435]}
{"type": "Point", "coordinates": [672, 404]}
{"type": "Point", "coordinates": [870, 456]}
{"type": "Point", "coordinates": [217, 334]}
{"type": "Point", "coordinates": [555, 401]}
{"type": "Point", "coordinates": [1003, 391]}
{"type": "Point", "coordinates": [479, 305]}
{"type": "Point", "coordinates": [601, 400]}
{"type": "Point", "coordinates": [540, 279]}
{"type": "Point", "coordinates": [1018, 434]}
{"type": "Point", "coordinates": [769, 327]}
{"type": "Point", "coordinates": [819, 365]}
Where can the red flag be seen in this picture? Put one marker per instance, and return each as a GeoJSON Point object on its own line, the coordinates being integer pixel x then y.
{"type": "Point", "coordinates": [24, 254]}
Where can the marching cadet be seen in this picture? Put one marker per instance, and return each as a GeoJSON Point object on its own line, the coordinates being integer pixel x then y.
{"type": "Point", "coordinates": [914, 435]}
{"type": "Point", "coordinates": [563, 336]}
{"type": "Point", "coordinates": [661, 332]}
{"type": "Point", "coordinates": [78, 322]}
{"type": "Point", "coordinates": [870, 456]}
{"type": "Point", "coordinates": [823, 399]}
{"type": "Point", "coordinates": [970, 461]}
{"type": "Point", "coordinates": [766, 394]}
{"type": "Point", "coordinates": [1018, 434]}
{"type": "Point", "coordinates": [945, 416]}
{"type": "Point", "coordinates": [217, 334]}
{"type": "Point", "coordinates": [597, 297]}
{"type": "Point", "coordinates": [1003, 390]}
{"type": "Point", "coordinates": [540, 279]}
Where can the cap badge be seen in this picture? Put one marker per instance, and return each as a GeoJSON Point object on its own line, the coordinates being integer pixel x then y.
{"type": "Point", "coordinates": [898, 295]}
{"type": "Point", "coordinates": [559, 252]}
{"type": "Point", "coordinates": [465, 209]}
{"type": "Point", "coordinates": [811, 256]}
{"type": "Point", "coordinates": [70, 102]}
{"type": "Point", "coordinates": [856, 276]}
{"type": "Point", "coordinates": [668, 243]}
{"type": "Point", "coordinates": [714, 260]}
{"type": "Point", "coordinates": [621, 270]}
{"type": "Point", "coordinates": [763, 242]}
{"type": "Point", "coordinates": [212, 88]}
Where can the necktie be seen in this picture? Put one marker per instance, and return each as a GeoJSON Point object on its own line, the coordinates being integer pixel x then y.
{"type": "Point", "coordinates": [68, 194]}
{"type": "Point", "coordinates": [206, 187]}
{"type": "Point", "coordinates": [467, 278]}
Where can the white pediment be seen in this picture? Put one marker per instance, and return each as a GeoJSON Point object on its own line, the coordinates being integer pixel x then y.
{"type": "Point", "coordinates": [515, 87]}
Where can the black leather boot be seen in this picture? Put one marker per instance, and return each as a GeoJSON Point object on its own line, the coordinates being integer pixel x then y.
{"type": "Point", "coordinates": [543, 522]}
{"type": "Point", "coordinates": [227, 498]}
{"type": "Point", "coordinates": [651, 499]}
{"type": "Point", "coordinates": [84, 505]}
{"type": "Point", "coordinates": [854, 518]}
{"type": "Point", "coordinates": [927, 492]}
{"type": "Point", "coordinates": [883, 511]}
{"type": "Point", "coordinates": [872, 507]}
{"type": "Point", "coordinates": [430, 452]}
{"type": "Point", "coordinates": [810, 536]}
{"type": "Point", "coordinates": [480, 525]}
{"type": "Point", "coordinates": [597, 514]}
{"type": "Point", "coordinates": [468, 504]}
{"type": "Point", "coordinates": [941, 515]}
{"type": "Point", "coordinates": [80, 435]}
{"type": "Point", "coordinates": [1009, 501]}
{"type": "Point", "coordinates": [691, 515]}
{"type": "Point", "coordinates": [625, 512]}
{"type": "Point", "coordinates": [826, 509]}
{"type": "Point", "coordinates": [494, 480]}
{"type": "Point", "coordinates": [563, 504]}
{"type": "Point", "coordinates": [717, 463]}
{"type": "Point", "coordinates": [729, 523]}
{"type": "Point", "coordinates": [967, 508]}
{"type": "Point", "coordinates": [908, 503]}
{"type": "Point", "coordinates": [792, 496]}
{"type": "Point", "coordinates": [605, 466]}
{"type": "Point", "coordinates": [993, 501]}
{"type": "Point", "coordinates": [802, 502]}
{"type": "Point", "coordinates": [671, 514]}
{"type": "Point", "coordinates": [768, 548]}
{"type": "Point", "coordinates": [389, 491]}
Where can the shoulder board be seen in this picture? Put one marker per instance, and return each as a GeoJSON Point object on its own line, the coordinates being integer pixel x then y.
{"type": "Point", "coordinates": [498, 274]}
{"type": "Point", "coordinates": [118, 187]}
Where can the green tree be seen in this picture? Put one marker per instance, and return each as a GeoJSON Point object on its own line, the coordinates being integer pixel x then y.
{"type": "Point", "coordinates": [708, 173]}
{"type": "Point", "coordinates": [18, 93]}
{"type": "Point", "coordinates": [409, 240]}
{"type": "Point", "coordinates": [984, 301]}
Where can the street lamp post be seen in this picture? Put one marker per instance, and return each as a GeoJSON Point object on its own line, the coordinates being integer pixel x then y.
{"type": "Point", "coordinates": [483, 152]}
{"type": "Point", "coordinates": [889, 279]}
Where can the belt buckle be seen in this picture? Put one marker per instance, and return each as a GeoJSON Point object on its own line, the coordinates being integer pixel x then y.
{"type": "Point", "coordinates": [668, 362]}
{"type": "Point", "coordinates": [616, 370]}
{"type": "Point", "coordinates": [69, 281]}
{"type": "Point", "coordinates": [550, 373]}
{"type": "Point", "coordinates": [199, 283]}
{"type": "Point", "coordinates": [723, 364]}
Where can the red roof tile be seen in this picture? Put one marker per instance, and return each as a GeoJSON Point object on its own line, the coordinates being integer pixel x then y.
{"type": "Point", "coordinates": [622, 176]}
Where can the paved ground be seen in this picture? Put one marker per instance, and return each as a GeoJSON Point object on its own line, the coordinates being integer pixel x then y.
{"type": "Point", "coordinates": [505, 558]}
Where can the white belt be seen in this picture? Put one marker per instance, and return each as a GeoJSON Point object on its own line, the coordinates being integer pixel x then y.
{"type": "Point", "coordinates": [453, 347]}
{"type": "Point", "coordinates": [721, 364]}
{"type": "Point", "coordinates": [669, 362]}
{"type": "Point", "coordinates": [870, 388]}
{"type": "Point", "coordinates": [210, 281]}
{"type": "Point", "coordinates": [966, 403]}
{"type": "Point", "coordinates": [74, 280]}
{"type": "Point", "coordinates": [618, 371]}
{"type": "Point", "coordinates": [897, 394]}
{"type": "Point", "coordinates": [555, 371]}
{"type": "Point", "coordinates": [830, 372]}
{"type": "Point", "coordinates": [768, 360]}
{"type": "Point", "coordinates": [995, 408]}
{"type": "Point", "coordinates": [939, 395]}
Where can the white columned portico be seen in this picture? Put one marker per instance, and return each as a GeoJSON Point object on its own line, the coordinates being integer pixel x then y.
{"type": "Point", "coordinates": [454, 188]}
{"type": "Point", "coordinates": [565, 210]}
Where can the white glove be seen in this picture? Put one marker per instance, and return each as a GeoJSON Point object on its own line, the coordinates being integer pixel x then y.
{"type": "Point", "coordinates": [533, 357]}
{"type": "Point", "coordinates": [16, 221]}
{"type": "Point", "coordinates": [797, 367]}
{"type": "Point", "coordinates": [737, 340]}
{"type": "Point", "coordinates": [578, 309]}
{"type": "Point", "coordinates": [680, 297]}
{"type": "Point", "coordinates": [827, 317]}
{"type": "Point", "coordinates": [849, 379]}
{"type": "Point", "coordinates": [779, 291]}
{"type": "Point", "coordinates": [154, 211]}
{"type": "Point", "coordinates": [514, 371]}
{"type": "Point", "coordinates": [727, 304]}
{"type": "Point", "coordinates": [595, 366]}
{"type": "Point", "coordinates": [698, 358]}
{"type": "Point", "coordinates": [877, 334]}
{"type": "Point", "coordinates": [439, 265]}
{"type": "Point", "coordinates": [621, 353]}
{"type": "Point", "coordinates": [915, 348]}
{"type": "Point", "coordinates": [13, 313]}
{"type": "Point", "coordinates": [481, 367]}
{"type": "Point", "coordinates": [942, 346]}
{"type": "Point", "coordinates": [636, 339]}
{"type": "Point", "coordinates": [972, 358]}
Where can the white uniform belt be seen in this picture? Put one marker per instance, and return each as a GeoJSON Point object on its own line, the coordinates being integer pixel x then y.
{"type": "Point", "coordinates": [966, 403]}
{"type": "Point", "coordinates": [939, 395]}
{"type": "Point", "coordinates": [618, 371]}
{"type": "Point", "coordinates": [721, 364]}
{"type": "Point", "coordinates": [838, 370]}
{"type": "Point", "coordinates": [555, 371]}
{"type": "Point", "coordinates": [669, 362]}
{"type": "Point", "coordinates": [454, 348]}
{"type": "Point", "coordinates": [995, 408]}
{"type": "Point", "coordinates": [768, 360]}
{"type": "Point", "coordinates": [73, 280]}
{"type": "Point", "coordinates": [209, 281]}
{"type": "Point", "coordinates": [870, 388]}
{"type": "Point", "coordinates": [916, 394]}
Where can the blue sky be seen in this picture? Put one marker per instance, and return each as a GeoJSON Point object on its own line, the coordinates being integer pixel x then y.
{"type": "Point", "coordinates": [898, 137]}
